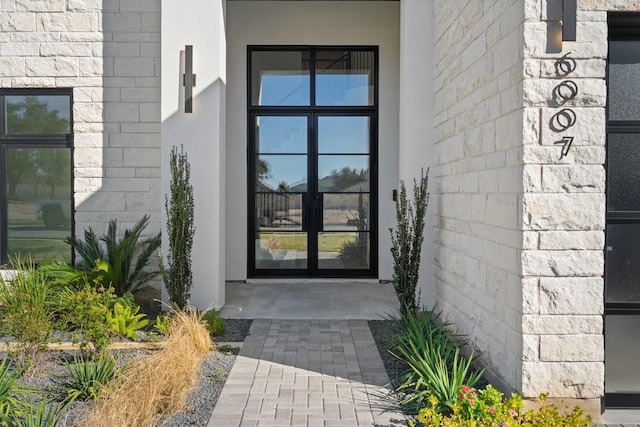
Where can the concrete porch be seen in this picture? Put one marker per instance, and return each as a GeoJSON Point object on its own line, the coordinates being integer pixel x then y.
{"type": "Point", "coordinates": [309, 299]}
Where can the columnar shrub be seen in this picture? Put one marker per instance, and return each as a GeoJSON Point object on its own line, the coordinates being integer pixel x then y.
{"type": "Point", "coordinates": [180, 229]}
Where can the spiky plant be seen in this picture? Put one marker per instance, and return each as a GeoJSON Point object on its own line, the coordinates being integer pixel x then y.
{"type": "Point", "coordinates": [180, 230]}
{"type": "Point", "coordinates": [407, 242]}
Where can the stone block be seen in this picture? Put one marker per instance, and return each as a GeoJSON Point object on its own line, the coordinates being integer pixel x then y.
{"type": "Point", "coordinates": [583, 380]}
{"type": "Point", "coordinates": [589, 127]}
{"type": "Point", "coordinates": [68, 22]}
{"type": "Point", "coordinates": [564, 240]}
{"type": "Point", "coordinates": [52, 67]}
{"type": "Point", "coordinates": [118, 112]}
{"type": "Point", "coordinates": [10, 67]}
{"type": "Point", "coordinates": [561, 324]}
{"type": "Point", "coordinates": [570, 211]}
{"type": "Point", "coordinates": [12, 22]}
{"type": "Point", "coordinates": [573, 179]}
{"type": "Point", "coordinates": [540, 93]}
{"type": "Point", "coordinates": [551, 155]}
{"type": "Point", "coordinates": [121, 22]}
{"type": "Point", "coordinates": [132, 67]}
{"type": "Point", "coordinates": [562, 263]}
{"type": "Point", "coordinates": [142, 157]}
{"type": "Point", "coordinates": [572, 348]}
{"type": "Point", "coordinates": [65, 49]}
{"type": "Point", "coordinates": [569, 295]}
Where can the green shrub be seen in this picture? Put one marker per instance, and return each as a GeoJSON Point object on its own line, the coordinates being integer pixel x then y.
{"type": "Point", "coordinates": [125, 320]}
{"type": "Point", "coordinates": [180, 230]}
{"type": "Point", "coordinates": [162, 324]}
{"type": "Point", "coordinates": [407, 242]}
{"type": "Point", "coordinates": [44, 414]}
{"type": "Point", "coordinates": [25, 313]}
{"type": "Point", "coordinates": [121, 263]}
{"type": "Point", "coordinates": [488, 408]}
{"type": "Point", "coordinates": [8, 400]}
{"type": "Point", "coordinates": [87, 377]}
{"type": "Point", "coordinates": [214, 323]}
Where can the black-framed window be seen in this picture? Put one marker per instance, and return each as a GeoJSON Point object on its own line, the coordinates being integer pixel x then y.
{"type": "Point", "coordinates": [622, 254]}
{"type": "Point", "coordinates": [36, 174]}
{"type": "Point", "coordinates": [312, 175]}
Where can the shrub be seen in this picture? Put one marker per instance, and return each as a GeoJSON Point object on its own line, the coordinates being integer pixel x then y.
{"type": "Point", "coordinates": [180, 230]}
{"type": "Point", "coordinates": [44, 414]}
{"type": "Point", "coordinates": [87, 377]}
{"type": "Point", "coordinates": [125, 320]}
{"type": "Point", "coordinates": [214, 323]}
{"type": "Point", "coordinates": [488, 408]}
{"type": "Point", "coordinates": [24, 306]}
{"type": "Point", "coordinates": [8, 400]}
{"type": "Point", "coordinates": [162, 324]}
{"type": "Point", "coordinates": [407, 242]}
{"type": "Point", "coordinates": [121, 263]}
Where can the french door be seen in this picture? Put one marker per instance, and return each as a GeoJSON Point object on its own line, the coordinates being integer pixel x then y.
{"type": "Point", "coordinates": [312, 162]}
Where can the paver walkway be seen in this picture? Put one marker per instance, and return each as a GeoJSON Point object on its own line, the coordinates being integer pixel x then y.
{"type": "Point", "coordinates": [306, 373]}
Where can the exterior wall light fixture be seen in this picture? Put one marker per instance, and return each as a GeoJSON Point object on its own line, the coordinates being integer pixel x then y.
{"type": "Point", "coordinates": [569, 18]}
{"type": "Point", "coordinates": [188, 79]}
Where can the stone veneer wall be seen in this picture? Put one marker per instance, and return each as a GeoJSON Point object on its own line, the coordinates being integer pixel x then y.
{"type": "Point", "coordinates": [478, 176]}
{"type": "Point", "coordinates": [108, 51]}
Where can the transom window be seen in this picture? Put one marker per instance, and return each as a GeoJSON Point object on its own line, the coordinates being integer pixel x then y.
{"type": "Point", "coordinates": [35, 174]}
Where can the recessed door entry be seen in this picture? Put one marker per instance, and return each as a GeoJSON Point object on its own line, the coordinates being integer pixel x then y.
{"type": "Point", "coordinates": [312, 168]}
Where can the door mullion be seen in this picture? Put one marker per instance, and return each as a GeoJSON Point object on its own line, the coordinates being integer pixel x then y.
{"type": "Point", "coordinates": [312, 150]}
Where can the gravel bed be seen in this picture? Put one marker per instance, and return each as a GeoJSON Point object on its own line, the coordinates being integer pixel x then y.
{"type": "Point", "coordinates": [235, 330]}
{"type": "Point", "coordinates": [382, 331]}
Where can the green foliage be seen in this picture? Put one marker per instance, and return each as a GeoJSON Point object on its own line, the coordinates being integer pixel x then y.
{"type": "Point", "coordinates": [120, 262]}
{"type": "Point", "coordinates": [24, 306]}
{"type": "Point", "coordinates": [8, 400]}
{"type": "Point", "coordinates": [162, 324]}
{"type": "Point", "coordinates": [85, 313]}
{"type": "Point", "coordinates": [488, 408]}
{"type": "Point", "coordinates": [214, 323]}
{"type": "Point", "coordinates": [44, 414]}
{"type": "Point", "coordinates": [87, 377]}
{"type": "Point", "coordinates": [125, 320]}
{"type": "Point", "coordinates": [180, 230]}
{"type": "Point", "coordinates": [407, 242]}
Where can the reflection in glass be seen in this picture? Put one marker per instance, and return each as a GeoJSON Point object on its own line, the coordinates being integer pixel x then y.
{"type": "Point", "coordinates": [281, 134]}
{"type": "Point", "coordinates": [621, 354]}
{"type": "Point", "coordinates": [277, 211]}
{"type": "Point", "coordinates": [286, 173]}
{"type": "Point", "coordinates": [343, 173]}
{"type": "Point", "coordinates": [624, 73]}
{"type": "Point", "coordinates": [345, 212]}
{"type": "Point", "coordinates": [622, 269]}
{"type": "Point", "coordinates": [280, 78]}
{"type": "Point", "coordinates": [281, 250]}
{"type": "Point", "coordinates": [343, 134]}
{"type": "Point", "coordinates": [38, 115]}
{"type": "Point", "coordinates": [344, 78]}
{"type": "Point", "coordinates": [343, 250]}
{"type": "Point", "coordinates": [623, 172]}
{"type": "Point", "coordinates": [39, 203]}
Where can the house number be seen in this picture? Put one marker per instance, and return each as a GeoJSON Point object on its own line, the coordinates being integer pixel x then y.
{"type": "Point", "coordinates": [562, 93]}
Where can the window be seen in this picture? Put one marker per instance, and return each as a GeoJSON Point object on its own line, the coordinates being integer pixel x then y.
{"type": "Point", "coordinates": [313, 115]}
{"type": "Point", "coordinates": [36, 174]}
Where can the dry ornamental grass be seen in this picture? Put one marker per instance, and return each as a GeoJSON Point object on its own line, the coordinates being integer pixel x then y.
{"type": "Point", "coordinates": [158, 384]}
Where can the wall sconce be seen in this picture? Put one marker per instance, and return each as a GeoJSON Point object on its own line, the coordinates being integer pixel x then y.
{"type": "Point", "coordinates": [188, 79]}
{"type": "Point", "coordinates": [569, 18]}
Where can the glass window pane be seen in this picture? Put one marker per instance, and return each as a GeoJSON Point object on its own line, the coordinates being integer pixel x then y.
{"type": "Point", "coordinates": [343, 134]}
{"type": "Point", "coordinates": [39, 203]}
{"type": "Point", "coordinates": [622, 269]}
{"type": "Point", "coordinates": [624, 74]}
{"type": "Point", "coordinates": [286, 173]}
{"type": "Point", "coordinates": [343, 250]}
{"type": "Point", "coordinates": [345, 212]}
{"type": "Point", "coordinates": [623, 172]}
{"type": "Point", "coordinates": [344, 78]}
{"type": "Point", "coordinates": [38, 115]}
{"type": "Point", "coordinates": [281, 134]}
{"type": "Point", "coordinates": [276, 211]}
{"type": "Point", "coordinates": [621, 354]}
{"type": "Point", "coordinates": [280, 78]}
{"type": "Point", "coordinates": [281, 250]}
{"type": "Point", "coordinates": [343, 173]}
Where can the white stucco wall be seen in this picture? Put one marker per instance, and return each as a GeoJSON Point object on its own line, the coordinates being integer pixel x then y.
{"type": "Point", "coordinates": [308, 23]}
{"type": "Point", "coordinates": [198, 23]}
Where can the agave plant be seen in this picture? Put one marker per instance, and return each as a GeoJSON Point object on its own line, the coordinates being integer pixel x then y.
{"type": "Point", "coordinates": [122, 263]}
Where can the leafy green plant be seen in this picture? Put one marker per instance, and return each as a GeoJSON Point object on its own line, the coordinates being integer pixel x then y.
{"type": "Point", "coordinates": [214, 323]}
{"type": "Point", "coordinates": [125, 320]}
{"type": "Point", "coordinates": [87, 377]}
{"type": "Point", "coordinates": [162, 324]}
{"type": "Point", "coordinates": [407, 242]}
{"type": "Point", "coordinates": [24, 307]}
{"type": "Point", "coordinates": [8, 400]}
{"type": "Point", "coordinates": [118, 262]}
{"type": "Point", "coordinates": [44, 414]}
{"type": "Point", "coordinates": [180, 230]}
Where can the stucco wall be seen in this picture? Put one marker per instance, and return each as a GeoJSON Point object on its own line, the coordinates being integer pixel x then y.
{"type": "Point", "coordinates": [478, 176]}
{"type": "Point", "coordinates": [108, 52]}
{"type": "Point", "coordinates": [308, 23]}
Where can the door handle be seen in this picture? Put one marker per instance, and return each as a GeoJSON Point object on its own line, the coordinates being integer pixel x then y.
{"type": "Point", "coordinates": [319, 211]}
{"type": "Point", "coordinates": [304, 211]}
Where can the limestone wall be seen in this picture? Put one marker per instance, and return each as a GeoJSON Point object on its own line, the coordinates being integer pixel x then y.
{"type": "Point", "coordinates": [478, 176]}
{"type": "Point", "coordinates": [108, 51]}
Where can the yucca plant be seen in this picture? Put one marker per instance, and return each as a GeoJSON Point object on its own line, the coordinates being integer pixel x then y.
{"type": "Point", "coordinates": [45, 414]}
{"type": "Point", "coordinates": [8, 400]}
{"type": "Point", "coordinates": [121, 263]}
{"type": "Point", "coordinates": [87, 377]}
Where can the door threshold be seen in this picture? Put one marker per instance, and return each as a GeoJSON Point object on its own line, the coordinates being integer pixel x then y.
{"type": "Point", "coordinates": [308, 280]}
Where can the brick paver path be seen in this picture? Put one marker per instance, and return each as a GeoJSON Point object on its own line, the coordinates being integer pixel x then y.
{"type": "Point", "coordinates": [306, 373]}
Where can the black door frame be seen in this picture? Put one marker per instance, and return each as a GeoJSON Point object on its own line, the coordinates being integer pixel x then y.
{"type": "Point", "coordinates": [312, 112]}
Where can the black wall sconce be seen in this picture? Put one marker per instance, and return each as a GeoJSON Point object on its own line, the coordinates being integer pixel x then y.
{"type": "Point", "coordinates": [188, 79]}
{"type": "Point", "coordinates": [569, 18]}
